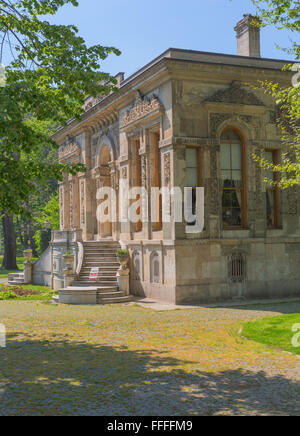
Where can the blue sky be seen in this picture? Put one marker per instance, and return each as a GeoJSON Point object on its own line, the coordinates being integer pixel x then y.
{"type": "Point", "coordinates": [143, 29]}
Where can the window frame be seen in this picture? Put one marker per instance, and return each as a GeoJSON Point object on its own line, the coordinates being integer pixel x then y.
{"type": "Point", "coordinates": [274, 189]}
{"type": "Point", "coordinates": [244, 180]}
{"type": "Point", "coordinates": [199, 164]}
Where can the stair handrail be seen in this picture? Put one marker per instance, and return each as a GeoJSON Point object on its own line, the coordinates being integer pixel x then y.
{"type": "Point", "coordinates": [80, 257]}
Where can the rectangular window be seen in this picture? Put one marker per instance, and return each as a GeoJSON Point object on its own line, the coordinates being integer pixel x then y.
{"type": "Point", "coordinates": [232, 176]}
{"type": "Point", "coordinates": [272, 194]}
{"type": "Point", "coordinates": [138, 163]}
{"type": "Point", "coordinates": [193, 173]}
{"type": "Point", "coordinates": [157, 179]}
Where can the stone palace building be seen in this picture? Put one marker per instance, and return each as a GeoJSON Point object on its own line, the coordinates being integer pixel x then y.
{"type": "Point", "coordinates": [186, 119]}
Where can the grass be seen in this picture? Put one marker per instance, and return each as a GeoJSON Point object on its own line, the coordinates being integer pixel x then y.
{"type": "Point", "coordinates": [275, 332]}
{"type": "Point", "coordinates": [25, 293]}
{"type": "Point", "coordinates": [20, 264]}
{"type": "Point", "coordinates": [128, 360]}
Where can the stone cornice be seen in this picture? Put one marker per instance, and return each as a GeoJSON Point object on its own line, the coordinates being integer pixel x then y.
{"type": "Point", "coordinates": [100, 114]}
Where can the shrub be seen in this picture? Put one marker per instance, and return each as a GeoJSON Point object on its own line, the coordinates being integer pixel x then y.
{"type": "Point", "coordinates": [122, 253]}
{"type": "Point", "coordinates": [7, 295]}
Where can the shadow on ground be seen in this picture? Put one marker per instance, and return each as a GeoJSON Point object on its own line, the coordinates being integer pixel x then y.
{"type": "Point", "coordinates": [68, 378]}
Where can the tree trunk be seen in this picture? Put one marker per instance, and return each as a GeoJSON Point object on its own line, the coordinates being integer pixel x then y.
{"type": "Point", "coordinates": [10, 243]}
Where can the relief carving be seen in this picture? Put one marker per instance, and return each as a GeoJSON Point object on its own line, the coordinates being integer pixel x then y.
{"type": "Point", "coordinates": [216, 119]}
{"type": "Point", "coordinates": [235, 94]}
{"type": "Point", "coordinates": [167, 169]}
{"type": "Point", "coordinates": [69, 150]}
{"type": "Point", "coordinates": [71, 205]}
{"type": "Point", "coordinates": [144, 170]}
{"type": "Point", "coordinates": [82, 205]}
{"type": "Point", "coordinates": [141, 108]}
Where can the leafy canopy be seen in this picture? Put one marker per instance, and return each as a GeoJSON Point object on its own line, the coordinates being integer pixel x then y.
{"type": "Point", "coordinates": [51, 71]}
{"type": "Point", "coordinates": [285, 14]}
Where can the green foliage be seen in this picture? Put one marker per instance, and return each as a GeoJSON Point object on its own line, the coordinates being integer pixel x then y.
{"type": "Point", "coordinates": [122, 253]}
{"type": "Point", "coordinates": [7, 295]}
{"type": "Point", "coordinates": [276, 332]}
{"type": "Point", "coordinates": [27, 293]}
{"type": "Point", "coordinates": [285, 14]}
{"type": "Point", "coordinates": [51, 73]}
{"type": "Point", "coordinates": [51, 213]}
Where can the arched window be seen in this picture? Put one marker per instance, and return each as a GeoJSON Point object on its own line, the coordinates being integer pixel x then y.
{"type": "Point", "coordinates": [233, 180]}
{"type": "Point", "coordinates": [155, 268]}
{"type": "Point", "coordinates": [136, 266]}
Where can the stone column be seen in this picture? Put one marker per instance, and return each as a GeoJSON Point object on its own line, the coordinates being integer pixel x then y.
{"type": "Point", "coordinates": [179, 167]}
{"type": "Point", "coordinates": [214, 193]}
{"type": "Point", "coordinates": [88, 232]}
{"type": "Point", "coordinates": [145, 199]}
{"type": "Point", "coordinates": [76, 202]}
{"type": "Point", "coordinates": [114, 174]}
{"type": "Point", "coordinates": [64, 200]}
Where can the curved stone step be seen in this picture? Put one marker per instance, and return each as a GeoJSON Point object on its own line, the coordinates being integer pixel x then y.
{"type": "Point", "coordinates": [117, 300]}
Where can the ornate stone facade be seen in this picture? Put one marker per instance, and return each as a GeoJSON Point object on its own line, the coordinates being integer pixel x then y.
{"type": "Point", "coordinates": [161, 136]}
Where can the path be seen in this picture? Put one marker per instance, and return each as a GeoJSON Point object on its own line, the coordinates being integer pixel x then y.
{"type": "Point", "coordinates": [129, 360]}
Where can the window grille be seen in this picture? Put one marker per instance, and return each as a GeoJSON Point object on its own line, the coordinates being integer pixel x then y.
{"type": "Point", "coordinates": [237, 268]}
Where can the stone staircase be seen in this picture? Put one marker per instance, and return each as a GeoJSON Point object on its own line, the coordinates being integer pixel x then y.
{"type": "Point", "coordinates": [101, 254]}
{"type": "Point", "coordinates": [16, 279]}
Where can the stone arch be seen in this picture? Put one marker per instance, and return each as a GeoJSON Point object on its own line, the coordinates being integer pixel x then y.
{"type": "Point", "coordinates": [105, 141]}
{"type": "Point", "coordinates": [246, 131]}
{"type": "Point", "coordinates": [155, 268]}
{"type": "Point", "coordinates": [137, 266]}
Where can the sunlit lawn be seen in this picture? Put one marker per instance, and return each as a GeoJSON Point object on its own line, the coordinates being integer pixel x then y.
{"type": "Point", "coordinates": [276, 332]}
{"type": "Point", "coordinates": [128, 360]}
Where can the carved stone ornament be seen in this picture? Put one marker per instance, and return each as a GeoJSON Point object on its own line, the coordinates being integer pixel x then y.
{"type": "Point", "coordinates": [218, 118]}
{"type": "Point", "coordinates": [71, 203]}
{"type": "Point", "coordinates": [104, 171]}
{"type": "Point", "coordinates": [144, 170]}
{"type": "Point", "coordinates": [141, 108]}
{"type": "Point", "coordinates": [82, 205]}
{"type": "Point", "coordinates": [167, 168]}
{"type": "Point", "coordinates": [69, 150]}
{"type": "Point", "coordinates": [235, 94]}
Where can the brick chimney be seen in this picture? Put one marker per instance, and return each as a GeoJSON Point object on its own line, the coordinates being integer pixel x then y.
{"type": "Point", "coordinates": [248, 36]}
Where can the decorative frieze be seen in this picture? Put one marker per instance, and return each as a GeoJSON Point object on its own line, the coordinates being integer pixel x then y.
{"type": "Point", "coordinates": [142, 108]}
{"type": "Point", "coordinates": [216, 119]}
{"type": "Point", "coordinates": [70, 150]}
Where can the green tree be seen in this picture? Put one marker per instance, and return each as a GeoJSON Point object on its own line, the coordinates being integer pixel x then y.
{"type": "Point", "coordinates": [50, 213]}
{"type": "Point", "coordinates": [51, 72]}
{"type": "Point", "coordinates": [47, 79]}
{"type": "Point", "coordinates": [285, 14]}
